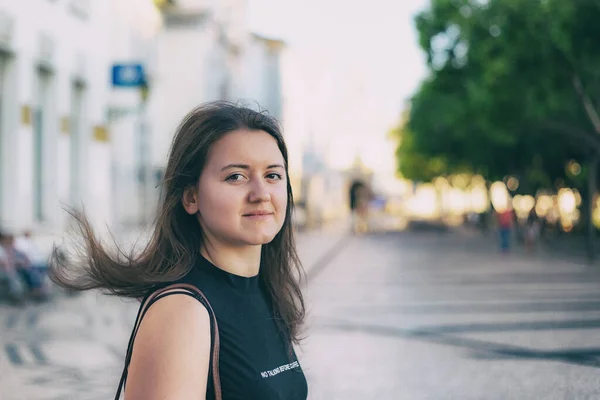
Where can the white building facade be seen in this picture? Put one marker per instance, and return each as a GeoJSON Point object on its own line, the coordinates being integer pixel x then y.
{"type": "Point", "coordinates": [54, 148]}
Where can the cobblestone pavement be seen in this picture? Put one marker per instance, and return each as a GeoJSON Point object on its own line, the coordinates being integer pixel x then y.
{"type": "Point", "coordinates": [391, 316]}
{"type": "Point", "coordinates": [443, 316]}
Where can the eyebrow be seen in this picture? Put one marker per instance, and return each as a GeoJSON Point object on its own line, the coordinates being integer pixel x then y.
{"type": "Point", "coordinates": [245, 166]}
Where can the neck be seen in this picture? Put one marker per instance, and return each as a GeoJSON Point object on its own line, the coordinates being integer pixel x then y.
{"type": "Point", "coordinates": [242, 261]}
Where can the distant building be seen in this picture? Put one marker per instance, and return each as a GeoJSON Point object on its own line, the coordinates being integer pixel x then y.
{"type": "Point", "coordinates": [204, 53]}
{"type": "Point", "coordinates": [195, 62]}
{"type": "Point", "coordinates": [262, 73]}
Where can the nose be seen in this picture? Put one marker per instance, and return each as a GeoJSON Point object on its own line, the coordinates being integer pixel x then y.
{"type": "Point", "coordinates": [259, 192]}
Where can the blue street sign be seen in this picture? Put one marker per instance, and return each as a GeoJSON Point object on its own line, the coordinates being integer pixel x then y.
{"type": "Point", "coordinates": [128, 75]}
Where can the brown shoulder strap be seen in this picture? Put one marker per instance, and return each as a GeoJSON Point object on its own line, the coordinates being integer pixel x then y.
{"type": "Point", "coordinates": [182, 288]}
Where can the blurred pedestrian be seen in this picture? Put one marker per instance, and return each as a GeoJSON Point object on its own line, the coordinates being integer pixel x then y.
{"type": "Point", "coordinates": [532, 231]}
{"type": "Point", "coordinates": [9, 276]}
{"type": "Point", "coordinates": [359, 206]}
{"type": "Point", "coordinates": [505, 226]}
{"type": "Point", "coordinates": [223, 237]}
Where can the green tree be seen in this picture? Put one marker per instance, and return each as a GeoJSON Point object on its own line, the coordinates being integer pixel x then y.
{"type": "Point", "coordinates": [514, 88]}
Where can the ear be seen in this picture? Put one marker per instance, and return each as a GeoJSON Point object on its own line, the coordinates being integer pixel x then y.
{"type": "Point", "coordinates": [190, 200]}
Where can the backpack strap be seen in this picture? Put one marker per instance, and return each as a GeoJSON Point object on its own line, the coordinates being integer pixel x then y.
{"type": "Point", "coordinates": [176, 288]}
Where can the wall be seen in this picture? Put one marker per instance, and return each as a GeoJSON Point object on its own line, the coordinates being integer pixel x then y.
{"type": "Point", "coordinates": [67, 40]}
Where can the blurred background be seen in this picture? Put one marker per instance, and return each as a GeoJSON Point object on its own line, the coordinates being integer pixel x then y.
{"type": "Point", "coordinates": [443, 155]}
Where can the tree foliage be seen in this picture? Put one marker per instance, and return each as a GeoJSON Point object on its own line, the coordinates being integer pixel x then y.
{"type": "Point", "coordinates": [514, 88]}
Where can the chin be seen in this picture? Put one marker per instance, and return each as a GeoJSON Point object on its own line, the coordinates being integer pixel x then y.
{"type": "Point", "coordinates": [263, 240]}
{"type": "Point", "coordinates": [260, 238]}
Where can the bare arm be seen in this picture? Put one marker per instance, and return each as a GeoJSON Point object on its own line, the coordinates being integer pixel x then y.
{"type": "Point", "coordinates": [171, 353]}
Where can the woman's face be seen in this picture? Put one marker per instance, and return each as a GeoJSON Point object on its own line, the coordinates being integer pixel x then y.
{"type": "Point", "coordinates": [241, 196]}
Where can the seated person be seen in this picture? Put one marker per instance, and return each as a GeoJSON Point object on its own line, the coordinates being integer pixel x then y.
{"type": "Point", "coordinates": [16, 270]}
{"type": "Point", "coordinates": [9, 276]}
{"type": "Point", "coordinates": [37, 259]}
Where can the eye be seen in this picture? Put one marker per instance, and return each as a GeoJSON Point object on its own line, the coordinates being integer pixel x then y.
{"type": "Point", "coordinates": [274, 175]}
{"type": "Point", "coordinates": [235, 177]}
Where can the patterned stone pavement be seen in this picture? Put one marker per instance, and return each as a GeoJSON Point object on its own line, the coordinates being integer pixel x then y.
{"type": "Point", "coordinates": [391, 316]}
{"type": "Point", "coordinates": [443, 316]}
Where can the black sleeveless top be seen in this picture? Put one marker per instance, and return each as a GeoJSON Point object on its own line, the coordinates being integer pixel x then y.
{"type": "Point", "coordinates": [254, 360]}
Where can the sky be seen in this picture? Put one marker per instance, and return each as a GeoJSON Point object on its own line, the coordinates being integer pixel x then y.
{"type": "Point", "coordinates": [371, 50]}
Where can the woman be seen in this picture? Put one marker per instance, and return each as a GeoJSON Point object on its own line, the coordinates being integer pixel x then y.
{"type": "Point", "coordinates": [223, 228]}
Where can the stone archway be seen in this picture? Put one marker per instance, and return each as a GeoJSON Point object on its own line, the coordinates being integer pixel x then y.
{"type": "Point", "coordinates": [353, 192]}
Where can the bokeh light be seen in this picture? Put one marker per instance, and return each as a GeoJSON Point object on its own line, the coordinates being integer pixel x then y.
{"type": "Point", "coordinates": [512, 183]}
{"type": "Point", "coordinates": [499, 196]}
{"type": "Point", "coordinates": [523, 205]}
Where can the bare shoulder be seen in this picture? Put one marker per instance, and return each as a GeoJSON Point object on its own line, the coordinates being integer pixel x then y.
{"type": "Point", "coordinates": [171, 351]}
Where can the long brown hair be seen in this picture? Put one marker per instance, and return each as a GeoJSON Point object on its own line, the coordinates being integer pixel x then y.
{"type": "Point", "coordinates": [177, 236]}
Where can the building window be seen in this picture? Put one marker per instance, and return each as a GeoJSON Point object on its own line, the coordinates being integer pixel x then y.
{"type": "Point", "coordinates": [3, 97]}
{"type": "Point", "coordinates": [80, 8]}
{"type": "Point", "coordinates": [40, 125]}
{"type": "Point", "coordinates": [76, 134]}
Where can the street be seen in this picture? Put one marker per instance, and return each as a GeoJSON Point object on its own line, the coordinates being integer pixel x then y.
{"type": "Point", "coordinates": [406, 315]}
{"type": "Point", "coordinates": [434, 316]}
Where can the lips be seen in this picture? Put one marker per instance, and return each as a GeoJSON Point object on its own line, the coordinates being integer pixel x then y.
{"type": "Point", "coordinates": [257, 213]}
